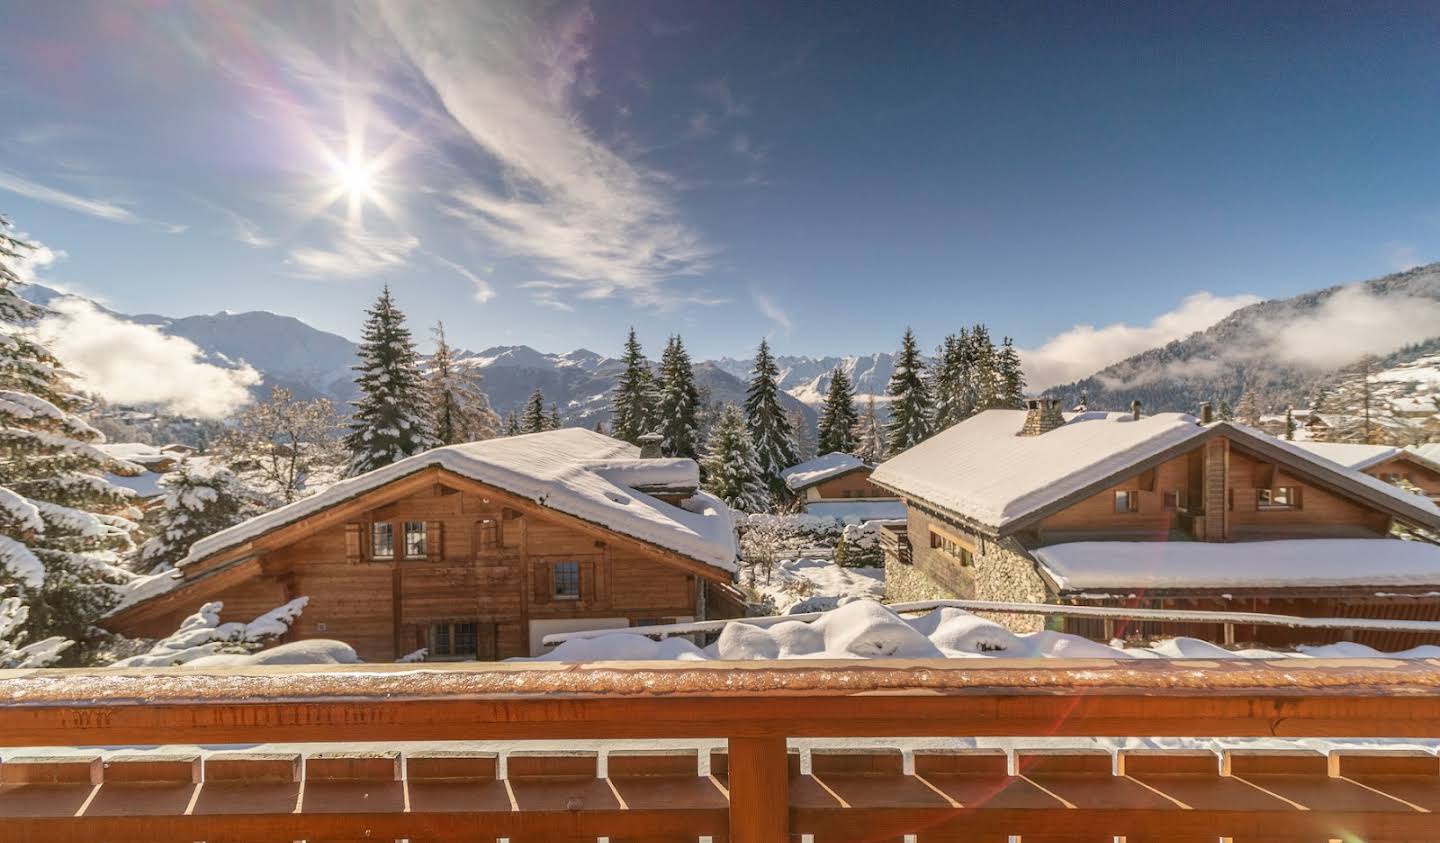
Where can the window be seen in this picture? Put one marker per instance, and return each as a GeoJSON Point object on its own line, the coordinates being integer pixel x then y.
{"type": "Point", "coordinates": [1280, 497]}
{"type": "Point", "coordinates": [489, 530]}
{"type": "Point", "coordinates": [1175, 499]}
{"type": "Point", "coordinates": [1128, 501]}
{"type": "Point", "coordinates": [565, 579]}
{"type": "Point", "coordinates": [452, 641]}
{"type": "Point", "coordinates": [950, 547]}
{"type": "Point", "coordinates": [382, 541]}
{"type": "Point", "coordinates": [414, 539]}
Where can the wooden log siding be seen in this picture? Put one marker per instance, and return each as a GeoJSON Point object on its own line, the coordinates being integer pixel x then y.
{"type": "Point", "coordinates": [757, 792]}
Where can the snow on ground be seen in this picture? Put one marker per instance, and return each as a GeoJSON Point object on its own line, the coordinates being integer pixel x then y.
{"type": "Point", "coordinates": [816, 585]}
{"type": "Point", "coordinates": [1289, 562]}
{"type": "Point", "coordinates": [857, 512]}
{"type": "Point", "coordinates": [865, 629]}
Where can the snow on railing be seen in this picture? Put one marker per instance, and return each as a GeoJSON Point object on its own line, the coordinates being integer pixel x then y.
{"type": "Point", "coordinates": [1228, 620]}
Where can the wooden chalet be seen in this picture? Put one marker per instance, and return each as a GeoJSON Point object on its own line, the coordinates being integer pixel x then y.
{"type": "Point", "coordinates": [1159, 511]}
{"type": "Point", "coordinates": [471, 551]}
{"type": "Point", "coordinates": [1386, 462]}
{"type": "Point", "coordinates": [838, 485]}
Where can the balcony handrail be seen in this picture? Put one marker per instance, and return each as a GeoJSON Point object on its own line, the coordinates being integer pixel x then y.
{"type": "Point", "coordinates": [1047, 609]}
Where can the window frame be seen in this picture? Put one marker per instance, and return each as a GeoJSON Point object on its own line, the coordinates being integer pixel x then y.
{"type": "Point", "coordinates": [952, 547]}
{"type": "Point", "coordinates": [1132, 501]}
{"type": "Point", "coordinates": [556, 580]}
{"type": "Point", "coordinates": [453, 632]}
{"type": "Point", "coordinates": [375, 532]}
{"type": "Point", "coordinates": [424, 533]}
{"type": "Point", "coordinates": [1265, 499]}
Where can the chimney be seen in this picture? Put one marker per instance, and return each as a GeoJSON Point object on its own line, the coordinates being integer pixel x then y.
{"type": "Point", "coordinates": [1207, 412]}
{"type": "Point", "coordinates": [1041, 415]}
{"type": "Point", "coordinates": [650, 446]}
{"type": "Point", "coordinates": [1135, 409]}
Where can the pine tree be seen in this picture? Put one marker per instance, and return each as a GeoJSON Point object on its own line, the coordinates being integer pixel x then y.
{"type": "Point", "coordinates": [533, 420]}
{"type": "Point", "coordinates": [512, 424]}
{"type": "Point", "coordinates": [196, 504]}
{"type": "Point", "coordinates": [1290, 424]}
{"type": "Point", "coordinates": [909, 398]}
{"type": "Point", "coordinates": [732, 472]}
{"type": "Point", "coordinates": [554, 422]}
{"type": "Point", "coordinates": [950, 383]}
{"type": "Point", "coordinates": [1011, 376]}
{"type": "Point", "coordinates": [459, 409]}
{"type": "Point", "coordinates": [837, 418]}
{"type": "Point", "coordinates": [769, 426]}
{"type": "Point", "coordinates": [61, 521]}
{"type": "Point", "coordinates": [985, 369]}
{"type": "Point", "coordinates": [390, 421]}
{"type": "Point", "coordinates": [679, 408]}
{"type": "Point", "coordinates": [1248, 410]}
{"type": "Point", "coordinates": [633, 401]}
{"type": "Point", "coordinates": [869, 435]}
{"type": "Point", "coordinates": [1226, 412]}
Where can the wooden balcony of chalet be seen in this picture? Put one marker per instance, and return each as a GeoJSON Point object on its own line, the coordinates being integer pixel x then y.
{"type": "Point", "coordinates": [738, 779]}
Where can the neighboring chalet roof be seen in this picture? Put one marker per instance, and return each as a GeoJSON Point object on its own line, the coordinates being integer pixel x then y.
{"type": "Point", "coordinates": [981, 472]}
{"type": "Point", "coordinates": [1429, 451]}
{"type": "Point", "coordinates": [1356, 456]}
{"type": "Point", "coordinates": [574, 471]}
{"type": "Point", "coordinates": [858, 511]}
{"type": "Point", "coordinates": [820, 469]}
{"type": "Point", "coordinates": [1291, 563]}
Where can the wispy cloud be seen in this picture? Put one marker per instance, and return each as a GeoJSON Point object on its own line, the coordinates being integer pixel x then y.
{"type": "Point", "coordinates": [104, 209]}
{"type": "Point", "coordinates": [483, 290]}
{"type": "Point", "coordinates": [580, 210]}
{"type": "Point", "coordinates": [353, 253]}
{"type": "Point", "coordinates": [1085, 349]}
{"type": "Point", "coordinates": [771, 310]}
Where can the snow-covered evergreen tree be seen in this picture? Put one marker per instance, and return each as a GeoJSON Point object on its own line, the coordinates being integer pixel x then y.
{"type": "Point", "coordinates": [770, 428]}
{"type": "Point", "coordinates": [1248, 410]}
{"type": "Point", "coordinates": [14, 652]}
{"type": "Point", "coordinates": [632, 403]}
{"type": "Point", "coordinates": [1226, 412]}
{"type": "Point", "coordinates": [512, 423]}
{"type": "Point", "coordinates": [390, 421]}
{"type": "Point", "coordinates": [1011, 376]}
{"type": "Point", "coordinates": [869, 434]}
{"type": "Point", "coordinates": [679, 409]}
{"type": "Point", "coordinates": [732, 472]}
{"type": "Point", "coordinates": [459, 409]}
{"type": "Point", "coordinates": [838, 418]}
{"type": "Point", "coordinates": [985, 373]}
{"type": "Point", "coordinates": [909, 398]}
{"type": "Point", "coordinates": [554, 423]}
{"type": "Point", "coordinates": [196, 504]}
{"type": "Point", "coordinates": [203, 635]}
{"type": "Point", "coordinates": [62, 524]}
{"type": "Point", "coordinates": [533, 420]}
{"type": "Point", "coordinates": [952, 383]}
{"type": "Point", "coordinates": [1290, 424]}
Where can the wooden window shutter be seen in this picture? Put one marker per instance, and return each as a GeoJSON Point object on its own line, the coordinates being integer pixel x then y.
{"type": "Point", "coordinates": [352, 543]}
{"type": "Point", "coordinates": [434, 540]}
{"type": "Point", "coordinates": [542, 582]}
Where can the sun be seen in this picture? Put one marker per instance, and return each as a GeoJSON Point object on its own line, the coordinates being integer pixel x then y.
{"type": "Point", "coordinates": [355, 179]}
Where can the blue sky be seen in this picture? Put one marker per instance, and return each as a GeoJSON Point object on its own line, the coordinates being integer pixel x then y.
{"type": "Point", "coordinates": [823, 174]}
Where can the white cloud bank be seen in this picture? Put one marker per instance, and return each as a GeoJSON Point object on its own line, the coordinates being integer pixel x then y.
{"type": "Point", "coordinates": [1085, 349]}
{"type": "Point", "coordinates": [137, 364]}
{"type": "Point", "coordinates": [1353, 323]}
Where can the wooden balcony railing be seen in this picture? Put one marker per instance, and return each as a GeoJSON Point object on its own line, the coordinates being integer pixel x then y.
{"type": "Point", "coordinates": [754, 787]}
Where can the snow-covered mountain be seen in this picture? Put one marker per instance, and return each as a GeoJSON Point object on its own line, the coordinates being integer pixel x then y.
{"type": "Point", "coordinates": [808, 378]}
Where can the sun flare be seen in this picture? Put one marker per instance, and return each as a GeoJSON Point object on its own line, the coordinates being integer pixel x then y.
{"type": "Point", "coordinates": [355, 178]}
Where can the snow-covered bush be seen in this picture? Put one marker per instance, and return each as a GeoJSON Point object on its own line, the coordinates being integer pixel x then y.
{"type": "Point", "coordinates": [202, 634]}
{"type": "Point", "coordinates": [13, 654]}
{"type": "Point", "coordinates": [197, 503]}
{"type": "Point", "coordinates": [859, 546]}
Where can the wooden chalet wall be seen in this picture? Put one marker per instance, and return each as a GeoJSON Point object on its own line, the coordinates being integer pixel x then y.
{"type": "Point", "coordinates": [1421, 475]}
{"type": "Point", "coordinates": [855, 484]}
{"type": "Point", "coordinates": [489, 562]}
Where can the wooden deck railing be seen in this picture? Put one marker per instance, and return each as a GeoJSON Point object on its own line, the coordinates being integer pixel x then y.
{"type": "Point", "coordinates": [755, 788]}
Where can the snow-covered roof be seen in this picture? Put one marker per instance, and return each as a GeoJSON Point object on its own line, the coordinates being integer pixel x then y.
{"type": "Point", "coordinates": [136, 452]}
{"type": "Point", "coordinates": [982, 470]}
{"type": "Point", "coordinates": [571, 470]}
{"type": "Point", "coordinates": [1429, 451]}
{"type": "Point", "coordinates": [820, 469]}
{"type": "Point", "coordinates": [1356, 456]}
{"type": "Point", "coordinates": [1290, 563]}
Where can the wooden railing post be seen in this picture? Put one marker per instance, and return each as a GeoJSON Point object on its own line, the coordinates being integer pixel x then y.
{"type": "Point", "coordinates": [759, 791]}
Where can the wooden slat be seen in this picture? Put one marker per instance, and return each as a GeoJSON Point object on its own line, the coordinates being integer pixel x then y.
{"type": "Point", "coordinates": [759, 784]}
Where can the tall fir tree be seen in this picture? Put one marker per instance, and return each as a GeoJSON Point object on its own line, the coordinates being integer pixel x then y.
{"type": "Point", "coordinates": [1248, 410]}
{"type": "Point", "coordinates": [985, 372]}
{"type": "Point", "coordinates": [909, 398]}
{"type": "Point", "coordinates": [533, 420]}
{"type": "Point", "coordinates": [61, 520]}
{"type": "Point", "coordinates": [512, 423]}
{"type": "Point", "coordinates": [770, 428]}
{"type": "Point", "coordinates": [952, 384]}
{"type": "Point", "coordinates": [459, 408]}
{"type": "Point", "coordinates": [632, 403]}
{"type": "Point", "coordinates": [678, 414]}
{"type": "Point", "coordinates": [1290, 424]}
{"type": "Point", "coordinates": [554, 422]}
{"type": "Point", "coordinates": [838, 417]}
{"type": "Point", "coordinates": [732, 472]}
{"type": "Point", "coordinates": [390, 421]}
{"type": "Point", "coordinates": [869, 434]}
{"type": "Point", "coordinates": [1011, 376]}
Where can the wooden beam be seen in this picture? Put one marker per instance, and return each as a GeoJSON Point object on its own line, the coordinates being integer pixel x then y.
{"type": "Point", "coordinates": [759, 790]}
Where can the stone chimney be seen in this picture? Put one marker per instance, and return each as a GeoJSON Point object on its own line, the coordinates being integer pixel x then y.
{"type": "Point", "coordinates": [1041, 415]}
{"type": "Point", "coordinates": [1207, 412]}
{"type": "Point", "coordinates": [1135, 409]}
{"type": "Point", "coordinates": [650, 446]}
